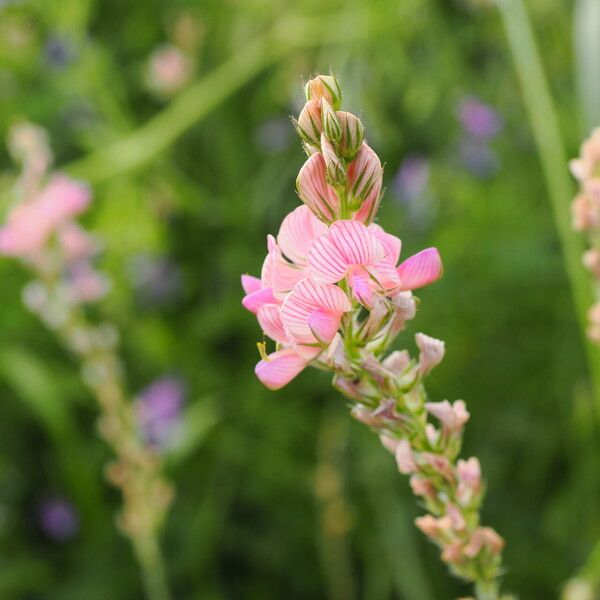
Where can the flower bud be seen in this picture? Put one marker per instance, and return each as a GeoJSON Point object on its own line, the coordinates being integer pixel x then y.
{"type": "Point", "coordinates": [591, 261]}
{"type": "Point", "coordinates": [469, 480]}
{"type": "Point", "coordinates": [365, 176]}
{"type": "Point", "coordinates": [456, 516]}
{"type": "Point", "coordinates": [440, 464]}
{"type": "Point", "coordinates": [389, 443]}
{"type": "Point", "coordinates": [433, 527]}
{"type": "Point", "coordinates": [336, 354]}
{"type": "Point", "coordinates": [353, 133]}
{"type": "Point", "coordinates": [308, 125]}
{"type": "Point", "coordinates": [585, 212]}
{"type": "Point", "coordinates": [397, 361]}
{"type": "Point", "coordinates": [453, 552]}
{"type": "Point", "coordinates": [484, 536]}
{"type": "Point", "coordinates": [451, 416]}
{"type": "Point", "coordinates": [331, 125]}
{"type": "Point", "coordinates": [404, 458]}
{"type": "Point", "coordinates": [315, 192]}
{"type": "Point", "coordinates": [324, 86]}
{"type": "Point", "coordinates": [422, 487]}
{"type": "Point", "coordinates": [335, 169]}
{"type": "Point", "coordinates": [432, 352]}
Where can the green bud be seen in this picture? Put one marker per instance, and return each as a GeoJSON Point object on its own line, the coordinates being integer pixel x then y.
{"type": "Point", "coordinates": [324, 86]}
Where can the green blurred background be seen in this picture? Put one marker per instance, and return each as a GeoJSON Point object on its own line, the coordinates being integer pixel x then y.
{"type": "Point", "coordinates": [282, 494]}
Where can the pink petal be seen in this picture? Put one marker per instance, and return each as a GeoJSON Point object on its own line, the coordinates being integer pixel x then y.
{"type": "Point", "coordinates": [361, 287]}
{"type": "Point", "coordinates": [346, 244]}
{"type": "Point", "coordinates": [298, 232]}
{"type": "Point", "coordinates": [391, 244]}
{"type": "Point", "coordinates": [250, 284]}
{"type": "Point", "coordinates": [386, 275]}
{"type": "Point", "coordinates": [324, 325]}
{"type": "Point", "coordinates": [255, 300]}
{"type": "Point", "coordinates": [306, 298]}
{"type": "Point", "coordinates": [314, 191]}
{"type": "Point", "coordinates": [280, 368]}
{"type": "Point", "coordinates": [420, 270]}
{"type": "Point", "coordinates": [269, 319]}
{"type": "Point", "coordinates": [286, 276]}
{"type": "Point", "coordinates": [356, 243]}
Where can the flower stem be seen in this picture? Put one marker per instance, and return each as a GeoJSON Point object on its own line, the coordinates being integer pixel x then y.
{"type": "Point", "coordinates": [546, 133]}
{"type": "Point", "coordinates": [153, 571]}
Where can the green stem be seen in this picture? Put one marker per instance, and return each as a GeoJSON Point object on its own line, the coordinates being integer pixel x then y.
{"type": "Point", "coordinates": [486, 590]}
{"type": "Point", "coordinates": [546, 133]}
{"type": "Point", "coordinates": [153, 570]}
{"type": "Point", "coordinates": [192, 105]}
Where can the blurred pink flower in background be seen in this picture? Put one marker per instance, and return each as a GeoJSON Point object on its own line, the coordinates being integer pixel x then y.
{"type": "Point", "coordinates": [58, 519]}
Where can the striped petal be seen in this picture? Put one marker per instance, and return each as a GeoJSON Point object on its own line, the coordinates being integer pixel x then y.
{"type": "Point", "coordinates": [306, 298]}
{"type": "Point", "coordinates": [255, 300]}
{"type": "Point", "coordinates": [391, 244]}
{"type": "Point", "coordinates": [420, 270]}
{"type": "Point", "coordinates": [346, 244]}
{"type": "Point", "coordinates": [250, 284]}
{"type": "Point", "coordinates": [324, 325]}
{"type": "Point", "coordinates": [269, 319]}
{"type": "Point", "coordinates": [314, 191]}
{"type": "Point", "coordinates": [361, 287]}
{"type": "Point", "coordinates": [279, 368]}
{"type": "Point", "coordinates": [298, 232]}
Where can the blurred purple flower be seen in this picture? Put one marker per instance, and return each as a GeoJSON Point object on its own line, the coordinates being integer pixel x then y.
{"type": "Point", "coordinates": [274, 135]}
{"type": "Point", "coordinates": [478, 157]}
{"type": "Point", "coordinates": [479, 119]}
{"type": "Point", "coordinates": [157, 281]}
{"type": "Point", "coordinates": [159, 408]}
{"type": "Point", "coordinates": [58, 519]}
{"type": "Point", "coordinates": [59, 52]}
{"type": "Point", "coordinates": [412, 178]}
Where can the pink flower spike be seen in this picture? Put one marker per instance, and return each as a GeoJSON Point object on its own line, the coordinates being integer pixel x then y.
{"type": "Point", "coordinates": [324, 325]}
{"type": "Point", "coordinates": [420, 270]}
{"type": "Point", "coordinates": [255, 300]}
{"type": "Point", "coordinates": [405, 458]}
{"type": "Point", "coordinates": [250, 284]}
{"type": "Point", "coordinates": [279, 368]}
{"type": "Point", "coordinates": [314, 190]}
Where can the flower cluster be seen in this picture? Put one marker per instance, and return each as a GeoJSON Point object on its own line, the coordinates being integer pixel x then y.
{"type": "Point", "coordinates": [41, 231]}
{"type": "Point", "coordinates": [331, 294]}
{"type": "Point", "coordinates": [585, 213]}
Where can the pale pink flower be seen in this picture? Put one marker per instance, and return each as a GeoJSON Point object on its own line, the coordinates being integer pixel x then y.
{"type": "Point", "coordinates": [484, 536]}
{"type": "Point", "coordinates": [30, 224]}
{"type": "Point", "coordinates": [456, 516]}
{"type": "Point", "coordinates": [405, 458]}
{"type": "Point", "coordinates": [434, 527]}
{"type": "Point", "coordinates": [585, 212]}
{"type": "Point", "coordinates": [304, 324]}
{"type": "Point", "coordinates": [75, 242]}
{"type": "Point", "coordinates": [439, 463]}
{"type": "Point", "coordinates": [591, 260]}
{"type": "Point", "coordinates": [85, 284]}
{"type": "Point", "coordinates": [453, 552]}
{"type": "Point", "coordinates": [469, 480]}
{"type": "Point", "coordinates": [169, 69]}
{"type": "Point", "coordinates": [451, 416]}
{"type": "Point", "coordinates": [389, 443]}
{"type": "Point", "coordinates": [422, 487]}
{"type": "Point", "coordinates": [397, 361]}
{"type": "Point", "coordinates": [432, 352]}
{"type": "Point", "coordinates": [586, 166]}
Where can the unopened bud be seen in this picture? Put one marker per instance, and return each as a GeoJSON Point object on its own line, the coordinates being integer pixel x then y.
{"type": "Point", "coordinates": [335, 169]}
{"type": "Point", "coordinates": [453, 552]}
{"type": "Point", "coordinates": [324, 86]}
{"type": "Point", "coordinates": [451, 416]}
{"type": "Point", "coordinates": [314, 190]}
{"type": "Point", "coordinates": [331, 125]}
{"type": "Point", "coordinates": [484, 536]}
{"type": "Point", "coordinates": [397, 361]}
{"type": "Point", "coordinates": [433, 527]}
{"type": "Point", "coordinates": [365, 176]}
{"type": "Point", "coordinates": [405, 458]}
{"type": "Point", "coordinates": [591, 261]}
{"type": "Point", "coordinates": [353, 133]}
{"type": "Point", "coordinates": [308, 125]}
{"type": "Point", "coordinates": [432, 352]}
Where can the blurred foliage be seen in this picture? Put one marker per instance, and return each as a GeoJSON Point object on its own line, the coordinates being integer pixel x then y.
{"type": "Point", "coordinates": [248, 520]}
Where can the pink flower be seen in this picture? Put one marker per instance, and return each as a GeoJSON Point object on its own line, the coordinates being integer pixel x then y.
{"type": "Point", "coordinates": [586, 166]}
{"type": "Point", "coordinates": [84, 283]}
{"type": "Point", "coordinates": [366, 257]}
{"type": "Point", "coordinates": [484, 536]}
{"type": "Point", "coordinates": [432, 352]}
{"type": "Point", "coordinates": [405, 458]}
{"type": "Point", "coordinates": [29, 225]}
{"type": "Point", "coordinates": [451, 416]}
{"type": "Point", "coordinates": [304, 325]}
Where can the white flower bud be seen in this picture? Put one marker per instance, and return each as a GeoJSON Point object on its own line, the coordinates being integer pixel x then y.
{"type": "Point", "coordinates": [353, 133]}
